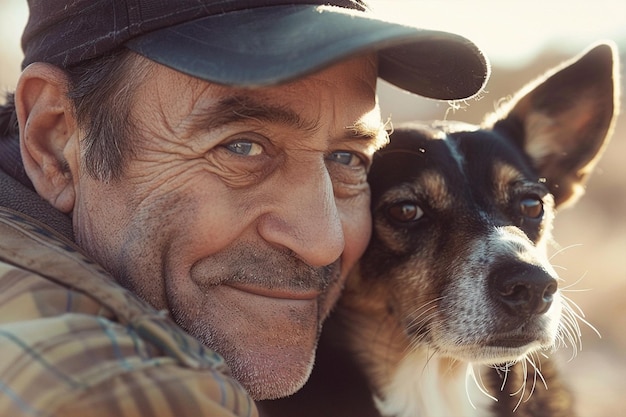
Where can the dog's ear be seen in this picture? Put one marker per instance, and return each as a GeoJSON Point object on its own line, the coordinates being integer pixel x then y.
{"type": "Point", "coordinates": [564, 119]}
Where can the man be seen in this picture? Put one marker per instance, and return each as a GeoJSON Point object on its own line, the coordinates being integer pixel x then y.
{"type": "Point", "coordinates": [209, 159]}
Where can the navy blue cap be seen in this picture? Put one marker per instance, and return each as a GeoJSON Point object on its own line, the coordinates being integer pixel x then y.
{"type": "Point", "coordinates": [253, 43]}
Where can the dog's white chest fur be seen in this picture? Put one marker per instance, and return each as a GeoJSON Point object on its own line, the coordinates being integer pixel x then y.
{"type": "Point", "coordinates": [425, 386]}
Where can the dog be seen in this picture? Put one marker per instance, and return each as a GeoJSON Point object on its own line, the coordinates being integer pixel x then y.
{"type": "Point", "coordinates": [451, 309]}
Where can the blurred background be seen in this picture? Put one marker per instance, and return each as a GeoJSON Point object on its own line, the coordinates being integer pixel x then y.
{"type": "Point", "coordinates": [522, 40]}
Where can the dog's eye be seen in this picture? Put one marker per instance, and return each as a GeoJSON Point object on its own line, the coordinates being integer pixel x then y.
{"type": "Point", "coordinates": [405, 212]}
{"type": "Point", "coordinates": [531, 207]}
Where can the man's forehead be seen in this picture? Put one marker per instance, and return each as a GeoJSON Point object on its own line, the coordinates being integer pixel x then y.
{"type": "Point", "coordinates": [298, 104]}
{"type": "Point", "coordinates": [361, 69]}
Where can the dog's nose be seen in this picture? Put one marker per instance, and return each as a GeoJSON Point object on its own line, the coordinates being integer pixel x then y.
{"type": "Point", "coordinates": [523, 289]}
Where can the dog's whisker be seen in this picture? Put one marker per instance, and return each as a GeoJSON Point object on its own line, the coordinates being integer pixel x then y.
{"type": "Point", "coordinates": [424, 308]}
{"type": "Point", "coordinates": [429, 356]}
{"type": "Point", "coordinates": [537, 373]}
{"type": "Point", "coordinates": [416, 327]}
{"type": "Point", "coordinates": [578, 290]}
{"type": "Point", "coordinates": [526, 380]}
{"type": "Point", "coordinates": [568, 332]}
{"type": "Point", "coordinates": [522, 389]}
{"type": "Point", "coordinates": [417, 324]}
{"type": "Point", "coordinates": [569, 327]}
{"type": "Point", "coordinates": [537, 368]}
{"type": "Point", "coordinates": [573, 306]}
{"type": "Point", "coordinates": [560, 339]}
{"type": "Point", "coordinates": [569, 306]}
{"type": "Point", "coordinates": [423, 316]}
{"type": "Point", "coordinates": [577, 314]}
{"type": "Point", "coordinates": [572, 331]}
{"type": "Point", "coordinates": [470, 374]}
{"type": "Point", "coordinates": [420, 318]}
{"type": "Point", "coordinates": [484, 387]}
{"type": "Point", "coordinates": [503, 369]}
{"type": "Point", "coordinates": [563, 249]}
{"type": "Point", "coordinates": [567, 287]}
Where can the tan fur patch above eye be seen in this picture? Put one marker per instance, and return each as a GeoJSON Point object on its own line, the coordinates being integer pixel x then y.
{"type": "Point", "coordinates": [429, 185]}
{"type": "Point", "coordinates": [504, 175]}
{"type": "Point", "coordinates": [435, 188]}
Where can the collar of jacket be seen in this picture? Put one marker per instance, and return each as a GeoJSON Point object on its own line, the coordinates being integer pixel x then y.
{"type": "Point", "coordinates": [16, 196]}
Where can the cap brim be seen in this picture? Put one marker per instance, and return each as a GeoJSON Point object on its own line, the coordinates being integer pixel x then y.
{"type": "Point", "coordinates": [272, 45]}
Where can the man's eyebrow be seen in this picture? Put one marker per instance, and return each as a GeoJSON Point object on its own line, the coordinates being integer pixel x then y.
{"type": "Point", "coordinates": [242, 108]}
{"type": "Point", "coordinates": [237, 109]}
{"type": "Point", "coordinates": [376, 134]}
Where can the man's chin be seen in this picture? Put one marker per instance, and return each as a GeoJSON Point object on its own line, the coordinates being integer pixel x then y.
{"type": "Point", "coordinates": [269, 383]}
{"type": "Point", "coordinates": [268, 343]}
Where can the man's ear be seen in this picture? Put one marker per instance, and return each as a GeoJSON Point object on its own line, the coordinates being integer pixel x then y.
{"type": "Point", "coordinates": [48, 130]}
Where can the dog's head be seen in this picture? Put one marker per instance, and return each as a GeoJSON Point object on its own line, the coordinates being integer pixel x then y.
{"type": "Point", "coordinates": [462, 216]}
{"type": "Point", "coordinates": [460, 241]}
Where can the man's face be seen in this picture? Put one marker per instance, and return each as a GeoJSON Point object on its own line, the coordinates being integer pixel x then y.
{"type": "Point", "coordinates": [241, 211]}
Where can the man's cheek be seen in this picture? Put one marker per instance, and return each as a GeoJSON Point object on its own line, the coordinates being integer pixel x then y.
{"type": "Point", "coordinates": [357, 230]}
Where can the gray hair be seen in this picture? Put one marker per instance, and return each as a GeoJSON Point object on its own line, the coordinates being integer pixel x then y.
{"type": "Point", "coordinates": [102, 94]}
{"type": "Point", "coordinates": [102, 91]}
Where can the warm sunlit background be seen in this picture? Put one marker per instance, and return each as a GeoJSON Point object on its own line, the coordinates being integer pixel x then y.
{"type": "Point", "coordinates": [522, 39]}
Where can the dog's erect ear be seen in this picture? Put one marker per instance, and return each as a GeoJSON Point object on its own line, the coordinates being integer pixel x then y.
{"type": "Point", "coordinates": [564, 119]}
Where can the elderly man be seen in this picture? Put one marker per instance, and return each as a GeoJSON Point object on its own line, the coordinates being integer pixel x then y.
{"type": "Point", "coordinates": [183, 191]}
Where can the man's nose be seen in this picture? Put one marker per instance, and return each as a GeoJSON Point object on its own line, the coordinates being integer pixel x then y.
{"type": "Point", "coordinates": [305, 219]}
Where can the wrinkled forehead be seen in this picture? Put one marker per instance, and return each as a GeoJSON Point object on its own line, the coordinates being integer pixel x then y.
{"type": "Point", "coordinates": [356, 75]}
{"type": "Point", "coordinates": [339, 98]}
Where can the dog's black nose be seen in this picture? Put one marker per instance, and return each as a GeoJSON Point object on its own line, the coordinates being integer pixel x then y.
{"type": "Point", "coordinates": [523, 289]}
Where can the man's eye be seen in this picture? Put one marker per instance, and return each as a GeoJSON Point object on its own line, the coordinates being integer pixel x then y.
{"type": "Point", "coordinates": [345, 158]}
{"type": "Point", "coordinates": [245, 148]}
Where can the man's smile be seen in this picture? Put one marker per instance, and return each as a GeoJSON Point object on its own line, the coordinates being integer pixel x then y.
{"type": "Point", "coordinates": [279, 293]}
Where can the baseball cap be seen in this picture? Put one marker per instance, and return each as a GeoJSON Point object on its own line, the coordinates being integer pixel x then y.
{"type": "Point", "coordinates": [254, 43]}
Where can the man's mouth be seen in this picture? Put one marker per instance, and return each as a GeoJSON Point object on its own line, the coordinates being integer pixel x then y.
{"type": "Point", "coordinates": [278, 293]}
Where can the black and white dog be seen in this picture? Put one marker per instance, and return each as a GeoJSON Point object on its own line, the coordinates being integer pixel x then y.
{"type": "Point", "coordinates": [457, 274]}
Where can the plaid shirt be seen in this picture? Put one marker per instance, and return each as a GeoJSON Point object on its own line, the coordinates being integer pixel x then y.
{"type": "Point", "coordinates": [75, 343]}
